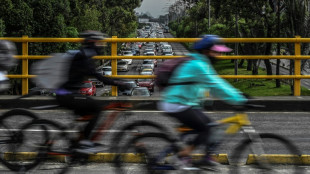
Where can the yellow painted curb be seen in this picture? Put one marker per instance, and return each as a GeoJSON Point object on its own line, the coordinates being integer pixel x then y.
{"type": "Point", "coordinates": [28, 156]}
{"type": "Point", "coordinates": [220, 158]}
{"type": "Point", "coordinates": [139, 158]}
{"type": "Point", "coordinates": [280, 159]}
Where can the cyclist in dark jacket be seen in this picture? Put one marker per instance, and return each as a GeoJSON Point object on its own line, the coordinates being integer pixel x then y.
{"type": "Point", "coordinates": [81, 68]}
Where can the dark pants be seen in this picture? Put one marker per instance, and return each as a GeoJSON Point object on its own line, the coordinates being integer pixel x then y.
{"type": "Point", "coordinates": [197, 120]}
{"type": "Point", "coordinates": [82, 106]}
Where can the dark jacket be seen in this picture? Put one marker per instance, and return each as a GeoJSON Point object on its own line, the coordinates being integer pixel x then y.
{"type": "Point", "coordinates": [83, 67]}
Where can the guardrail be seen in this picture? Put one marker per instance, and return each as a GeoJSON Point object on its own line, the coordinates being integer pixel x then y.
{"type": "Point", "coordinates": [114, 57]}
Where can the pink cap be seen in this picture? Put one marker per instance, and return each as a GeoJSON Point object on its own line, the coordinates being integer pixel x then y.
{"type": "Point", "coordinates": [220, 48]}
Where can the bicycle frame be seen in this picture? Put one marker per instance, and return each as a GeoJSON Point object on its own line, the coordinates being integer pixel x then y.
{"type": "Point", "coordinates": [237, 122]}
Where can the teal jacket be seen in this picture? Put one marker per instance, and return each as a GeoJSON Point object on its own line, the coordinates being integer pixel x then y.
{"type": "Point", "coordinates": [200, 71]}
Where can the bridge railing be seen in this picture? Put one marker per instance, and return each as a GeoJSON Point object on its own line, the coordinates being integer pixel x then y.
{"type": "Point", "coordinates": [25, 40]}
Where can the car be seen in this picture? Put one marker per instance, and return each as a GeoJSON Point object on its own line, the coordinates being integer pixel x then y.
{"type": "Point", "coordinates": [97, 82]}
{"type": "Point", "coordinates": [167, 48]}
{"type": "Point", "coordinates": [146, 50]}
{"type": "Point", "coordinates": [132, 84]}
{"type": "Point", "coordinates": [122, 66]}
{"type": "Point", "coordinates": [150, 45]}
{"type": "Point", "coordinates": [42, 91]}
{"type": "Point", "coordinates": [88, 88]}
{"type": "Point", "coordinates": [145, 67]}
{"type": "Point", "coordinates": [149, 83]}
{"type": "Point", "coordinates": [99, 70]}
{"type": "Point", "coordinates": [150, 53]}
{"type": "Point", "coordinates": [147, 72]}
{"type": "Point", "coordinates": [128, 53]}
{"type": "Point", "coordinates": [141, 91]}
{"type": "Point", "coordinates": [149, 62]}
{"type": "Point", "coordinates": [168, 53]}
{"type": "Point", "coordinates": [107, 70]}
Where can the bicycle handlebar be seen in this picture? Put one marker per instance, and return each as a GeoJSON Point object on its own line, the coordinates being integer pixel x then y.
{"type": "Point", "coordinates": [247, 106]}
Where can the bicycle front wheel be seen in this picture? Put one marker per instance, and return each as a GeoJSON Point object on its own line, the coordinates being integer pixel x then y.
{"type": "Point", "coordinates": [145, 154]}
{"type": "Point", "coordinates": [280, 156]}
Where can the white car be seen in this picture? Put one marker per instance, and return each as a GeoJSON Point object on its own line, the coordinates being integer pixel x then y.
{"type": "Point", "coordinates": [107, 70]}
{"type": "Point", "coordinates": [122, 66]}
{"type": "Point", "coordinates": [167, 48]}
{"type": "Point", "coordinates": [168, 53]}
{"type": "Point", "coordinates": [128, 53]}
{"type": "Point", "coordinates": [148, 62]}
{"type": "Point", "coordinates": [147, 72]}
{"type": "Point", "coordinates": [141, 91]}
{"type": "Point", "coordinates": [149, 53]}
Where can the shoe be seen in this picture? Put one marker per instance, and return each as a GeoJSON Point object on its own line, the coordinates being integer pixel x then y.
{"type": "Point", "coordinates": [88, 147]}
{"type": "Point", "coordinates": [181, 163]}
{"type": "Point", "coordinates": [206, 163]}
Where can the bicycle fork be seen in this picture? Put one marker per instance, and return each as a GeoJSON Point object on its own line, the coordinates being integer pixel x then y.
{"type": "Point", "coordinates": [256, 146]}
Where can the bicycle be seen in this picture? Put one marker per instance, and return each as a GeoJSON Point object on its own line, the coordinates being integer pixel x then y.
{"type": "Point", "coordinates": [153, 159]}
{"type": "Point", "coordinates": [53, 142]}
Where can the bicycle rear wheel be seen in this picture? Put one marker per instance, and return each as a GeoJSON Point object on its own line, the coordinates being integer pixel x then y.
{"type": "Point", "coordinates": [11, 139]}
{"type": "Point", "coordinates": [275, 147]}
{"type": "Point", "coordinates": [145, 154]}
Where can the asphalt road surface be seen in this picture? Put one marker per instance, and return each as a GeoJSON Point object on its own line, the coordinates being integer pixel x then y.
{"type": "Point", "coordinates": [108, 169]}
{"type": "Point", "coordinates": [294, 126]}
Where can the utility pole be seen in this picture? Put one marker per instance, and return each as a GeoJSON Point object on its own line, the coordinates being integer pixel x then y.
{"type": "Point", "coordinates": [278, 84]}
{"type": "Point", "coordinates": [209, 14]}
{"type": "Point", "coordinates": [236, 36]}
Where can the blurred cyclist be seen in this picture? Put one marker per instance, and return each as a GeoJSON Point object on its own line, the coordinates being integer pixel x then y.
{"type": "Point", "coordinates": [7, 51]}
{"type": "Point", "coordinates": [68, 95]}
{"type": "Point", "coordinates": [182, 101]}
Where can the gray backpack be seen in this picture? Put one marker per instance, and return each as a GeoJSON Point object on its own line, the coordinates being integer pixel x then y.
{"type": "Point", "coordinates": [53, 72]}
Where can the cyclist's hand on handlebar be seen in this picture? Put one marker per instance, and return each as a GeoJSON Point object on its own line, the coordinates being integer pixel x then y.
{"type": "Point", "coordinates": [247, 96]}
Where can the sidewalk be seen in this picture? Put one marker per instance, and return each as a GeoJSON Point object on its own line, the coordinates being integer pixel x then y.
{"type": "Point", "coordinates": [285, 103]}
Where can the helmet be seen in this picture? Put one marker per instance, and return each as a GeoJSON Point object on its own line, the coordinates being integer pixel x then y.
{"type": "Point", "coordinates": [92, 36]}
{"type": "Point", "coordinates": [92, 39]}
{"type": "Point", "coordinates": [211, 42]}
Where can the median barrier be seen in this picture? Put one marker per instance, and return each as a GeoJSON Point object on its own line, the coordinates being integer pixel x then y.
{"type": "Point", "coordinates": [279, 103]}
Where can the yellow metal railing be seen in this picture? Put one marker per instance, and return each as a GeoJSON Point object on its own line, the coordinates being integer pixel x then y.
{"type": "Point", "coordinates": [114, 57]}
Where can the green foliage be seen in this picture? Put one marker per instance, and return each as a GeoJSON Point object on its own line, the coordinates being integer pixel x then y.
{"type": "Point", "coordinates": [2, 28]}
{"type": "Point", "coordinates": [63, 18]}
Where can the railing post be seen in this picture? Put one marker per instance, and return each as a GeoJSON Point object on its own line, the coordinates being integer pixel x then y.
{"type": "Point", "coordinates": [25, 66]}
{"type": "Point", "coordinates": [297, 67]}
{"type": "Point", "coordinates": [114, 64]}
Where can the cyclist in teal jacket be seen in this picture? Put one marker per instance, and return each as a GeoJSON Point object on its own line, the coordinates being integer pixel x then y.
{"type": "Point", "coordinates": [182, 101]}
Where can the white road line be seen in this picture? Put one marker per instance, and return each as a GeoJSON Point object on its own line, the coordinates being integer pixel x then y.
{"type": "Point", "coordinates": [67, 131]}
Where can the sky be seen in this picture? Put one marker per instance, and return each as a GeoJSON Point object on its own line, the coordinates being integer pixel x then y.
{"type": "Point", "coordinates": [155, 7]}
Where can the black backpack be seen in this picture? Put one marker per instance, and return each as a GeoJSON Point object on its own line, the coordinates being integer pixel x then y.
{"type": "Point", "coordinates": [165, 71]}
